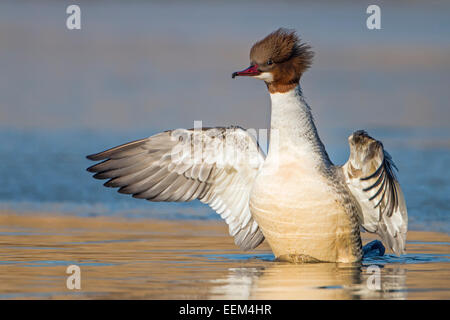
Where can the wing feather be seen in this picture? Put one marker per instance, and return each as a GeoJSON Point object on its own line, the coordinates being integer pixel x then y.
{"type": "Point", "coordinates": [371, 178]}
{"type": "Point", "coordinates": [168, 167]}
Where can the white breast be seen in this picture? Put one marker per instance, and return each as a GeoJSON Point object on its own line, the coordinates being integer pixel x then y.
{"type": "Point", "coordinates": [291, 200]}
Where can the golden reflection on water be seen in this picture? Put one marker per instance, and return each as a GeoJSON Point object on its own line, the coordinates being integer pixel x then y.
{"type": "Point", "coordinates": [310, 281]}
{"type": "Point", "coordinates": [152, 259]}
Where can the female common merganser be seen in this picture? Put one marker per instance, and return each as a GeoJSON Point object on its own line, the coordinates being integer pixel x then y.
{"type": "Point", "coordinates": [304, 206]}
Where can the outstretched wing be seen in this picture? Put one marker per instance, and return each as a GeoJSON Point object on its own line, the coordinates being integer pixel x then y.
{"type": "Point", "coordinates": [215, 165]}
{"type": "Point", "coordinates": [370, 176]}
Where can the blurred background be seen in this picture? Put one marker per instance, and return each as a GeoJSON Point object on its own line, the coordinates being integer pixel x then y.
{"type": "Point", "coordinates": [139, 67]}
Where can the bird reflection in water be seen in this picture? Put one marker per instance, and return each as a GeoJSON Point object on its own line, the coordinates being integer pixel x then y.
{"type": "Point", "coordinates": [283, 281]}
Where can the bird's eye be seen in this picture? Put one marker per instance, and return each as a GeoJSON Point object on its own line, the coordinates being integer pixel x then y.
{"type": "Point", "coordinates": [269, 62]}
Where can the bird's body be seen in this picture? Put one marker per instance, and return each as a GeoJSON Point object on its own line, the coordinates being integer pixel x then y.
{"type": "Point", "coordinates": [307, 208]}
{"type": "Point", "coordinates": [296, 198]}
{"type": "Point", "coordinates": [302, 216]}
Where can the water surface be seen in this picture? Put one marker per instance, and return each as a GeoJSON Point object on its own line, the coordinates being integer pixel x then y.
{"type": "Point", "coordinates": [140, 67]}
{"type": "Point", "coordinates": [157, 259]}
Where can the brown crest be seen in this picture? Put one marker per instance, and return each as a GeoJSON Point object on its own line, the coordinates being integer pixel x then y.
{"type": "Point", "coordinates": [283, 55]}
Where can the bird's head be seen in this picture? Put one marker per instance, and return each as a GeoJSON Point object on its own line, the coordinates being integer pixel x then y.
{"type": "Point", "coordinates": [279, 59]}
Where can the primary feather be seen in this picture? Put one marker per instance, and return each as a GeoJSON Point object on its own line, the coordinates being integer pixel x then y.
{"type": "Point", "coordinates": [216, 166]}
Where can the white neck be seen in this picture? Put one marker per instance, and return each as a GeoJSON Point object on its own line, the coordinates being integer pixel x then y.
{"type": "Point", "coordinates": [292, 125]}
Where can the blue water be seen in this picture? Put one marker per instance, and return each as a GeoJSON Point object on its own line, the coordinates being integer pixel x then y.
{"type": "Point", "coordinates": [45, 171]}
